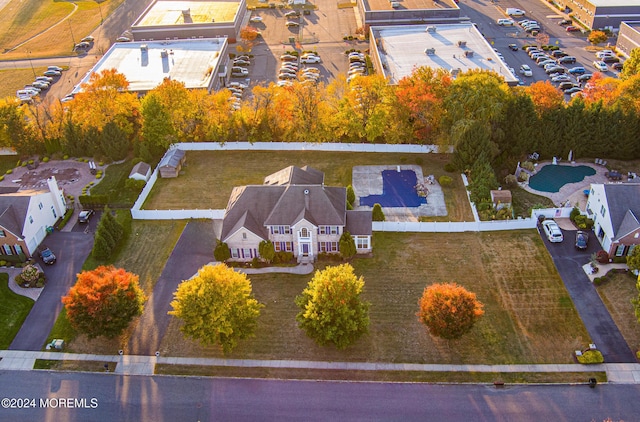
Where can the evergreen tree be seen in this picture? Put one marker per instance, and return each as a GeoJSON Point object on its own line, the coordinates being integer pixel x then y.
{"type": "Point", "coordinates": [377, 214]}
{"type": "Point", "coordinates": [347, 245]}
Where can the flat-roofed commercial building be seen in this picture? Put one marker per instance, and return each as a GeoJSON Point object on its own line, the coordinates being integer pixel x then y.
{"type": "Point", "coordinates": [602, 14]}
{"type": "Point", "coordinates": [190, 19]}
{"type": "Point", "coordinates": [397, 50]}
{"type": "Point", "coordinates": [407, 12]}
{"type": "Point", "coordinates": [628, 37]}
{"type": "Point", "coordinates": [199, 64]}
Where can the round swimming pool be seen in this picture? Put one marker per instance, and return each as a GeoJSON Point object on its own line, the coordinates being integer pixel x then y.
{"type": "Point", "coordinates": [551, 177]}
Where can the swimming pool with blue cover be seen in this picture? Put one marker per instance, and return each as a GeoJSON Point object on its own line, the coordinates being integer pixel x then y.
{"type": "Point", "coordinates": [398, 190]}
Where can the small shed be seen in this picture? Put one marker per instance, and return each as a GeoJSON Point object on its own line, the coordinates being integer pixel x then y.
{"type": "Point", "coordinates": [171, 163]}
{"type": "Point", "coordinates": [501, 198]}
{"type": "Point", "coordinates": [141, 171]}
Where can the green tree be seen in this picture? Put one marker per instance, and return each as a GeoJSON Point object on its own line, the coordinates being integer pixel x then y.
{"type": "Point", "coordinates": [331, 309]}
{"type": "Point", "coordinates": [221, 252]}
{"type": "Point", "coordinates": [114, 143]}
{"type": "Point", "coordinates": [448, 310]}
{"type": "Point", "coordinates": [351, 195]}
{"type": "Point", "coordinates": [631, 65]}
{"type": "Point", "coordinates": [108, 235]}
{"type": "Point", "coordinates": [597, 37]}
{"type": "Point", "coordinates": [101, 247]}
{"type": "Point", "coordinates": [633, 260]}
{"type": "Point", "coordinates": [636, 301]}
{"type": "Point", "coordinates": [266, 250]}
{"type": "Point", "coordinates": [217, 307]}
{"type": "Point", "coordinates": [377, 213]}
{"type": "Point", "coordinates": [347, 245]}
{"type": "Point", "coordinates": [157, 131]}
{"type": "Point", "coordinates": [104, 301]}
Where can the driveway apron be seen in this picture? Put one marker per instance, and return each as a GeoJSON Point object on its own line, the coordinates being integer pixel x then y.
{"type": "Point", "coordinates": [71, 250]}
{"type": "Point", "coordinates": [594, 314]}
{"type": "Point", "coordinates": [193, 250]}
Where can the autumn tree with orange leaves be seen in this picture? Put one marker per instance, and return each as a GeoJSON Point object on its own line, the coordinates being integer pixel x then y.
{"type": "Point", "coordinates": [448, 310]}
{"type": "Point", "coordinates": [545, 96]}
{"type": "Point", "coordinates": [104, 301]}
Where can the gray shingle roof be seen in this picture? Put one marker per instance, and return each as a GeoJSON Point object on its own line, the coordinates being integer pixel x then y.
{"type": "Point", "coordinates": [172, 158]}
{"type": "Point", "coordinates": [624, 205]}
{"type": "Point", "coordinates": [293, 175]}
{"type": "Point", "coordinates": [140, 168]}
{"type": "Point", "coordinates": [13, 212]}
{"type": "Point", "coordinates": [359, 223]}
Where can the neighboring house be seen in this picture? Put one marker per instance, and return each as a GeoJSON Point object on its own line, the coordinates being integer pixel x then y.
{"type": "Point", "coordinates": [141, 171]}
{"type": "Point", "coordinates": [25, 216]}
{"type": "Point", "coordinates": [297, 212]}
{"type": "Point", "coordinates": [171, 163]}
{"type": "Point", "coordinates": [501, 198]}
{"type": "Point", "coordinates": [615, 210]}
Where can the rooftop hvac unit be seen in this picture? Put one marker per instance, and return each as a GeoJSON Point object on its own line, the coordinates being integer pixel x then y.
{"type": "Point", "coordinates": [430, 51]}
{"type": "Point", "coordinates": [468, 53]}
{"type": "Point", "coordinates": [186, 12]}
{"type": "Point", "coordinates": [164, 53]}
{"type": "Point", "coordinates": [431, 29]}
{"type": "Point", "coordinates": [144, 47]}
{"type": "Point", "coordinates": [455, 72]}
{"type": "Point", "coordinates": [462, 44]}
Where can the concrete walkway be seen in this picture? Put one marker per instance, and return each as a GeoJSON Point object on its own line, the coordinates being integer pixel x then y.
{"type": "Point", "coordinates": [19, 360]}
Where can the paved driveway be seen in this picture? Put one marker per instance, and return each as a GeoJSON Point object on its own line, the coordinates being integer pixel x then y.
{"type": "Point", "coordinates": [193, 250]}
{"type": "Point", "coordinates": [71, 250]}
{"type": "Point", "coordinates": [594, 314]}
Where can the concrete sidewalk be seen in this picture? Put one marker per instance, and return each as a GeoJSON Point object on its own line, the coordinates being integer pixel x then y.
{"type": "Point", "coordinates": [19, 360]}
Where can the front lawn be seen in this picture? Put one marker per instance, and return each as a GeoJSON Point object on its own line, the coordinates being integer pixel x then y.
{"type": "Point", "coordinates": [529, 316]}
{"type": "Point", "coordinates": [208, 177]}
{"type": "Point", "coordinates": [616, 293]}
{"type": "Point", "coordinates": [13, 311]}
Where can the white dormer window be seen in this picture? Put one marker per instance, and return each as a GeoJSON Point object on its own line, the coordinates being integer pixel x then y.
{"type": "Point", "coordinates": [304, 233]}
{"type": "Point", "coordinates": [244, 236]}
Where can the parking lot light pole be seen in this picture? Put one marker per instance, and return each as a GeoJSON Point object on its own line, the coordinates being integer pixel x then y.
{"type": "Point", "coordinates": [72, 37]}
{"type": "Point", "coordinates": [100, 8]}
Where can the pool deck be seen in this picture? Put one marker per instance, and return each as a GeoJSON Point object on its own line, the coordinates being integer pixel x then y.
{"type": "Point", "coordinates": [571, 193]}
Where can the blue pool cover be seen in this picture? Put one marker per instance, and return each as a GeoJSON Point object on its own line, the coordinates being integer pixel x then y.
{"type": "Point", "coordinates": [398, 190]}
{"type": "Point", "coordinates": [551, 178]}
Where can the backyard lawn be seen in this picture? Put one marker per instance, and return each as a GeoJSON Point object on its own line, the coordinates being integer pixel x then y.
{"type": "Point", "coordinates": [209, 176]}
{"type": "Point", "coordinates": [13, 311]}
{"type": "Point", "coordinates": [529, 316]}
{"type": "Point", "coordinates": [616, 293]}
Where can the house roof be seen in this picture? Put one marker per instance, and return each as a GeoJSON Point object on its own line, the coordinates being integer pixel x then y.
{"type": "Point", "coordinates": [502, 196]}
{"type": "Point", "coordinates": [623, 201]}
{"type": "Point", "coordinates": [281, 202]}
{"type": "Point", "coordinates": [13, 210]}
{"type": "Point", "coordinates": [172, 158]}
{"type": "Point", "coordinates": [359, 223]}
{"type": "Point", "coordinates": [293, 175]}
{"type": "Point", "coordinates": [140, 168]}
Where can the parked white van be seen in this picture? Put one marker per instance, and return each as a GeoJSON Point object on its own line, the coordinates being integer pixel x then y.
{"type": "Point", "coordinates": [514, 12]}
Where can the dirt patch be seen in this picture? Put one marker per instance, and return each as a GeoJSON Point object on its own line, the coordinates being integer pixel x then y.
{"type": "Point", "coordinates": [71, 176]}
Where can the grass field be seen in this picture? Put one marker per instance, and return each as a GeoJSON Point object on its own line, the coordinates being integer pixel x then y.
{"type": "Point", "coordinates": [523, 201]}
{"type": "Point", "coordinates": [529, 316]}
{"type": "Point", "coordinates": [381, 376]}
{"type": "Point", "coordinates": [145, 254]}
{"type": "Point", "coordinates": [13, 311]}
{"type": "Point", "coordinates": [113, 184]}
{"type": "Point", "coordinates": [209, 176]}
{"type": "Point", "coordinates": [14, 79]}
{"type": "Point", "coordinates": [71, 365]}
{"type": "Point", "coordinates": [25, 20]}
{"type": "Point", "coordinates": [616, 293]}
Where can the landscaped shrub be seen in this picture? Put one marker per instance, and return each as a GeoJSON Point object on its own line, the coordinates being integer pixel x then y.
{"type": "Point", "coordinates": [591, 357]}
{"type": "Point", "coordinates": [510, 181]}
{"type": "Point", "coordinates": [9, 171]}
{"type": "Point", "coordinates": [221, 252]}
{"type": "Point", "coordinates": [45, 160]}
{"type": "Point", "coordinates": [65, 157]}
{"type": "Point", "coordinates": [283, 257]}
{"type": "Point", "coordinates": [528, 165]}
{"type": "Point", "coordinates": [377, 214]}
{"type": "Point", "coordinates": [351, 195]}
{"type": "Point", "coordinates": [602, 257]}
{"type": "Point", "coordinates": [583, 222]}
{"type": "Point", "coordinates": [449, 168]}
{"type": "Point", "coordinates": [574, 213]}
{"type": "Point", "coordinates": [445, 181]}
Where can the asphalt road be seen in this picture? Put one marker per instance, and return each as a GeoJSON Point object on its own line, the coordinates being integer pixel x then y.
{"type": "Point", "coordinates": [71, 250]}
{"type": "Point", "coordinates": [109, 397]}
{"type": "Point", "coordinates": [193, 250]}
{"type": "Point", "coordinates": [594, 314]}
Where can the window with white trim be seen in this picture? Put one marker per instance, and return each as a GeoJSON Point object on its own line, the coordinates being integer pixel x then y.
{"type": "Point", "coordinates": [329, 229]}
{"type": "Point", "coordinates": [280, 229]}
{"type": "Point", "coordinates": [235, 253]}
{"type": "Point", "coordinates": [18, 249]}
{"type": "Point", "coordinates": [246, 253]}
{"type": "Point", "coordinates": [304, 233]}
{"type": "Point", "coordinates": [40, 205]}
{"type": "Point", "coordinates": [30, 220]}
{"type": "Point", "coordinates": [603, 210]}
{"type": "Point", "coordinates": [7, 249]}
{"type": "Point", "coordinates": [362, 242]}
{"type": "Point", "coordinates": [2, 233]}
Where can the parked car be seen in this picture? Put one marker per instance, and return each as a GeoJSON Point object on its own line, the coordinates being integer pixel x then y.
{"type": "Point", "coordinates": [526, 70]}
{"type": "Point", "coordinates": [47, 256]}
{"type": "Point", "coordinates": [285, 76]}
{"type": "Point", "coordinates": [123, 39]}
{"type": "Point", "coordinates": [552, 231]}
{"type": "Point", "coordinates": [573, 90]}
{"type": "Point", "coordinates": [617, 66]}
{"type": "Point", "coordinates": [85, 216]}
{"type": "Point", "coordinates": [514, 12]}
{"type": "Point", "coordinates": [310, 59]}
{"type": "Point", "coordinates": [513, 47]}
{"type": "Point", "coordinates": [88, 38]}
{"type": "Point", "coordinates": [561, 78]}
{"type": "Point", "coordinates": [291, 14]}
{"type": "Point", "coordinates": [291, 24]}
{"type": "Point", "coordinates": [56, 68]}
{"type": "Point", "coordinates": [255, 19]}
{"type": "Point", "coordinates": [565, 85]}
{"type": "Point", "coordinates": [533, 28]}
{"type": "Point", "coordinates": [582, 240]}
{"type": "Point", "coordinates": [288, 58]}
{"type": "Point", "coordinates": [238, 62]}
{"type": "Point", "coordinates": [44, 78]}
{"type": "Point", "coordinates": [610, 59]}
{"type": "Point", "coordinates": [565, 22]}
{"type": "Point", "coordinates": [602, 53]}
{"type": "Point", "coordinates": [505, 22]}
{"type": "Point", "coordinates": [558, 53]}
{"type": "Point", "coordinates": [572, 28]}
{"type": "Point", "coordinates": [579, 70]}
{"type": "Point", "coordinates": [567, 60]}
{"type": "Point", "coordinates": [555, 69]}
{"type": "Point", "coordinates": [600, 65]}
{"type": "Point", "coordinates": [584, 78]}
{"type": "Point", "coordinates": [544, 62]}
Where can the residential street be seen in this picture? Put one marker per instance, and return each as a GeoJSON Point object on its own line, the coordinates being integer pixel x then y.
{"type": "Point", "coordinates": [193, 250]}
{"type": "Point", "coordinates": [594, 314]}
{"type": "Point", "coordinates": [109, 397]}
{"type": "Point", "coordinates": [71, 250]}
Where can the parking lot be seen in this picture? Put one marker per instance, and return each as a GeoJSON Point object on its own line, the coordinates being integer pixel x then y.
{"type": "Point", "coordinates": [320, 31]}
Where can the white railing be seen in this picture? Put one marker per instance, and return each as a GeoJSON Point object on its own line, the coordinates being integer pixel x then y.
{"type": "Point", "coordinates": [305, 146]}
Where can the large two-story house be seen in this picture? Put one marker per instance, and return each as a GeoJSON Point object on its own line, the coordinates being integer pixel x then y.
{"type": "Point", "coordinates": [297, 212]}
{"type": "Point", "coordinates": [25, 216]}
{"type": "Point", "coordinates": [615, 210]}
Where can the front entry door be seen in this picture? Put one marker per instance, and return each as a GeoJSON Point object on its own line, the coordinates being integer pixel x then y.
{"type": "Point", "coordinates": [305, 249]}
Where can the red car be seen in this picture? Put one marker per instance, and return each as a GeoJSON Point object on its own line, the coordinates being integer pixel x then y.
{"type": "Point", "coordinates": [572, 28]}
